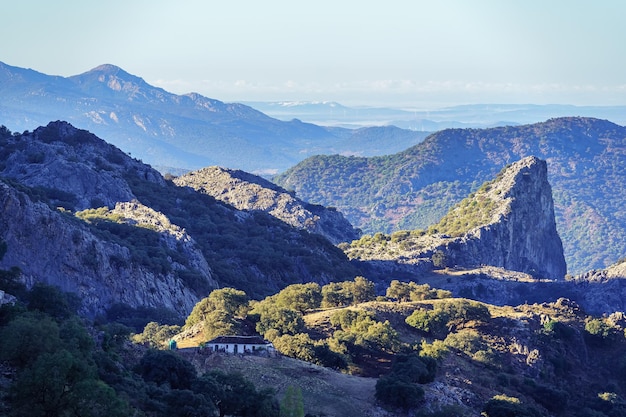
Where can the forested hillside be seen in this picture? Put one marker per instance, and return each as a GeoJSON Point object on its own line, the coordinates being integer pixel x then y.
{"type": "Point", "coordinates": [415, 188]}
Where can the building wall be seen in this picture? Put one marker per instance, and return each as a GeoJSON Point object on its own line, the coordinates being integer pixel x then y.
{"type": "Point", "coordinates": [237, 348]}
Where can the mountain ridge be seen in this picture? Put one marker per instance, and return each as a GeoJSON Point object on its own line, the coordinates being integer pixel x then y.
{"type": "Point", "coordinates": [413, 189]}
{"type": "Point", "coordinates": [174, 132]}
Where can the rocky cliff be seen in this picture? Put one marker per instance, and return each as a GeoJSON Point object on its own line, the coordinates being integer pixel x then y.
{"type": "Point", "coordinates": [81, 214]}
{"type": "Point", "coordinates": [56, 248]}
{"type": "Point", "coordinates": [246, 191]}
{"type": "Point", "coordinates": [76, 169]}
{"type": "Point", "coordinates": [508, 223]}
{"type": "Point", "coordinates": [521, 234]}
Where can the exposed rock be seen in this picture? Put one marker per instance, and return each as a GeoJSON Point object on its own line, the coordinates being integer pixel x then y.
{"type": "Point", "coordinates": [78, 169]}
{"type": "Point", "coordinates": [56, 248]}
{"type": "Point", "coordinates": [602, 291]}
{"type": "Point", "coordinates": [174, 237]}
{"type": "Point", "coordinates": [509, 223]}
{"type": "Point", "coordinates": [249, 192]}
{"type": "Point", "coordinates": [521, 235]}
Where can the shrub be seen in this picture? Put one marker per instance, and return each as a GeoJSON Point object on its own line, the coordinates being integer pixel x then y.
{"type": "Point", "coordinates": [165, 367]}
{"type": "Point", "coordinates": [505, 406]}
{"type": "Point", "coordinates": [433, 322]}
{"type": "Point", "coordinates": [398, 393]}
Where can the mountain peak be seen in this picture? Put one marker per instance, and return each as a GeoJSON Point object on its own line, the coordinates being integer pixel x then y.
{"type": "Point", "coordinates": [115, 77]}
{"type": "Point", "coordinates": [110, 69]}
{"type": "Point", "coordinates": [521, 232]}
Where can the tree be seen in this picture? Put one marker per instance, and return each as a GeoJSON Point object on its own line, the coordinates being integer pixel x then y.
{"type": "Point", "coordinates": [156, 335]}
{"type": "Point", "coordinates": [363, 290]}
{"type": "Point", "coordinates": [51, 300]}
{"type": "Point", "coordinates": [280, 319]}
{"type": "Point", "coordinates": [292, 404]}
{"type": "Point", "coordinates": [165, 367]}
{"type": "Point", "coordinates": [27, 337]}
{"type": "Point", "coordinates": [397, 392]}
{"type": "Point", "coordinates": [300, 297]}
{"type": "Point", "coordinates": [439, 259]}
{"type": "Point", "coordinates": [234, 395]}
{"type": "Point", "coordinates": [51, 385]}
{"type": "Point", "coordinates": [229, 301]}
{"type": "Point", "coordinates": [400, 291]}
{"type": "Point", "coordinates": [432, 322]}
{"type": "Point", "coordinates": [505, 406]}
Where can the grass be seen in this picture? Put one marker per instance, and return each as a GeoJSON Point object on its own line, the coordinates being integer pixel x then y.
{"type": "Point", "coordinates": [325, 392]}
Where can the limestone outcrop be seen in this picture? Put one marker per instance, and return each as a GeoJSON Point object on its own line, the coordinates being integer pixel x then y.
{"type": "Point", "coordinates": [521, 234]}
{"type": "Point", "coordinates": [508, 223]}
{"type": "Point", "coordinates": [54, 247]}
{"type": "Point", "coordinates": [78, 169]}
{"type": "Point", "coordinates": [246, 191]}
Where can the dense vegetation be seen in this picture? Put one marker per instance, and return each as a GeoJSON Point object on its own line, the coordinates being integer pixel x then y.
{"type": "Point", "coordinates": [586, 166]}
{"type": "Point", "coordinates": [531, 360]}
{"type": "Point", "coordinates": [238, 247]}
{"type": "Point", "coordinates": [56, 364]}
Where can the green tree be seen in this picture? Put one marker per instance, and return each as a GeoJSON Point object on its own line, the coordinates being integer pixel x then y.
{"type": "Point", "coordinates": [505, 406]}
{"type": "Point", "coordinates": [234, 395]}
{"type": "Point", "coordinates": [400, 291]}
{"type": "Point", "coordinates": [335, 295]}
{"type": "Point", "coordinates": [51, 385]}
{"type": "Point", "coordinates": [439, 259]}
{"type": "Point", "coordinates": [229, 301]}
{"type": "Point", "coordinates": [52, 301]}
{"type": "Point", "coordinates": [292, 404]}
{"type": "Point", "coordinates": [300, 297]}
{"type": "Point", "coordinates": [397, 392]}
{"type": "Point", "coordinates": [156, 335]}
{"type": "Point", "coordinates": [362, 290]}
{"type": "Point", "coordinates": [165, 367]}
{"type": "Point", "coordinates": [279, 319]}
{"type": "Point", "coordinates": [28, 336]}
{"type": "Point", "coordinates": [433, 322]}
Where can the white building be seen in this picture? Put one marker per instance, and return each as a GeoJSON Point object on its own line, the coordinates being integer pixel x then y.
{"type": "Point", "coordinates": [239, 344]}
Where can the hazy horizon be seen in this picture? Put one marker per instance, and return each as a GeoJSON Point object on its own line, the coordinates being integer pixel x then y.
{"type": "Point", "coordinates": [396, 54]}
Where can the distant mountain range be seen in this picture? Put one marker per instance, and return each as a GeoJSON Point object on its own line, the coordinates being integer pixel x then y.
{"type": "Point", "coordinates": [178, 132]}
{"type": "Point", "coordinates": [329, 113]}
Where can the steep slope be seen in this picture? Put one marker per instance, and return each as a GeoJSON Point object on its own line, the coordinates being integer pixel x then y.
{"type": "Point", "coordinates": [55, 248]}
{"type": "Point", "coordinates": [249, 192]}
{"type": "Point", "coordinates": [148, 225]}
{"type": "Point", "coordinates": [164, 129]}
{"type": "Point", "coordinates": [521, 234]}
{"type": "Point", "coordinates": [415, 188]}
{"type": "Point", "coordinates": [508, 223]}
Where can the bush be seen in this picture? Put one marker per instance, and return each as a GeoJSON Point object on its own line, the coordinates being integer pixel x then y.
{"type": "Point", "coordinates": [165, 367]}
{"type": "Point", "coordinates": [433, 322]}
{"type": "Point", "coordinates": [399, 393]}
{"type": "Point", "coordinates": [505, 406]}
{"type": "Point", "coordinates": [415, 369]}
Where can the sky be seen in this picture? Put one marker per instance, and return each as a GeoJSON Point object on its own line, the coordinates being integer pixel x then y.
{"type": "Point", "coordinates": [397, 53]}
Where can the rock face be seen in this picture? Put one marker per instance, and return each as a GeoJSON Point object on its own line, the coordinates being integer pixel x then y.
{"type": "Point", "coordinates": [54, 247]}
{"type": "Point", "coordinates": [508, 223]}
{"type": "Point", "coordinates": [83, 170]}
{"type": "Point", "coordinates": [80, 214]}
{"type": "Point", "coordinates": [521, 235]}
{"type": "Point", "coordinates": [245, 191]}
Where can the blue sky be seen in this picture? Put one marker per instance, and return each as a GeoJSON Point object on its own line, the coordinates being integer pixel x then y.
{"type": "Point", "coordinates": [396, 52]}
